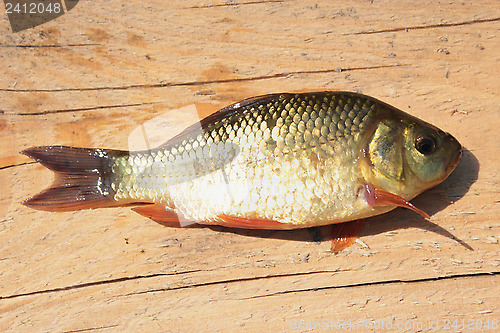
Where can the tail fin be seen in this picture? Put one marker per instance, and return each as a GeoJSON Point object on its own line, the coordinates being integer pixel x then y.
{"type": "Point", "coordinates": [83, 177]}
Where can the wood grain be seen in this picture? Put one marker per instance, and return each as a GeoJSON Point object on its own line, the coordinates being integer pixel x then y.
{"type": "Point", "coordinates": [91, 76]}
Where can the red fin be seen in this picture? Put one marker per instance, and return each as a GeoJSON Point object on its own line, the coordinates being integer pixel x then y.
{"type": "Point", "coordinates": [344, 234]}
{"type": "Point", "coordinates": [163, 214]}
{"type": "Point", "coordinates": [247, 223]}
{"type": "Point", "coordinates": [376, 197]}
{"type": "Point", "coordinates": [81, 181]}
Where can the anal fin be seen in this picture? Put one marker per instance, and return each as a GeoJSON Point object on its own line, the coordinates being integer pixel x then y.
{"type": "Point", "coordinates": [163, 214]}
{"type": "Point", "coordinates": [344, 234]}
{"type": "Point", "coordinates": [246, 223]}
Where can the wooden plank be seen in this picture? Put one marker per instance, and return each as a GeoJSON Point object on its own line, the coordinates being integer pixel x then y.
{"type": "Point", "coordinates": [91, 76]}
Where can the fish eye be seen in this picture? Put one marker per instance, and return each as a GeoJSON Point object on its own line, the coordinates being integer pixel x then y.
{"type": "Point", "coordinates": [425, 144]}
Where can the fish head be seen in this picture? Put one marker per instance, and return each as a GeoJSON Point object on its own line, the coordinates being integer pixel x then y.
{"type": "Point", "coordinates": [406, 156]}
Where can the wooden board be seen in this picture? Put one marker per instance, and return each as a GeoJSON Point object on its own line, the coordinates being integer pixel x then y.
{"type": "Point", "coordinates": [91, 76]}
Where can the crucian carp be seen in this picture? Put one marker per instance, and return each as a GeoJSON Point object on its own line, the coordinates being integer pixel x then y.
{"type": "Point", "coordinates": [279, 161]}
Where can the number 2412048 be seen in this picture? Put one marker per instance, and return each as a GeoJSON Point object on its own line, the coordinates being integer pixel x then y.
{"type": "Point", "coordinates": [33, 8]}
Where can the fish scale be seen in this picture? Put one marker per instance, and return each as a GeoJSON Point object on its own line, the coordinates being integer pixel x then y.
{"type": "Point", "coordinates": [319, 130]}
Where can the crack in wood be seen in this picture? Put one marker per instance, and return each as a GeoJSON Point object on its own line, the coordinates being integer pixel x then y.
{"type": "Point", "coordinates": [96, 283]}
{"type": "Point", "coordinates": [252, 278]}
{"type": "Point", "coordinates": [196, 83]}
{"type": "Point", "coordinates": [239, 280]}
{"type": "Point", "coordinates": [235, 4]}
{"type": "Point", "coordinates": [91, 329]}
{"type": "Point", "coordinates": [429, 26]}
{"type": "Point", "coordinates": [374, 283]}
{"type": "Point", "coordinates": [28, 46]}
{"type": "Point", "coordinates": [15, 165]}
{"type": "Point", "coordinates": [91, 108]}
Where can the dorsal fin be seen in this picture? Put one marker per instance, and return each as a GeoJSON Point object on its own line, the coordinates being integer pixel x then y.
{"type": "Point", "coordinates": [237, 107]}
{"type": "Point", "coordinates": [227, 111]}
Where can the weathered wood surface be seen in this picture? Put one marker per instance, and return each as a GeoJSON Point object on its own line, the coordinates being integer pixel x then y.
{"type": "Point", "coordinates": [91, 76]}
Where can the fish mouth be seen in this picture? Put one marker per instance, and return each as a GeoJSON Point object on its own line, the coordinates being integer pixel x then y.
{"type": "Point", "coordinates": [454, 160]}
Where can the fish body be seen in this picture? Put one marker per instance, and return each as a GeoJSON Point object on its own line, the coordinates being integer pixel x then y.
{"type": "Point", "coordinates": [289, 158]}
{"type": "Point", "coordinates": [281, 161]}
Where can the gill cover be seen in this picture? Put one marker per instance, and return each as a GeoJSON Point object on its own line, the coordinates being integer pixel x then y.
{"type": "Point", "coordinates": [385, 157]}
{"type": "Point", "coordinates": [406, 156]}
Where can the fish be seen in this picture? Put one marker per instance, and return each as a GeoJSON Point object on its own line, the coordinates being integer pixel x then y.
{"type": "Point", "coordinates": [278, 161]}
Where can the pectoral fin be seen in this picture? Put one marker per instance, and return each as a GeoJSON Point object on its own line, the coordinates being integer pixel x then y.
{"type": "Point", "coordinates": [376, 197]}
